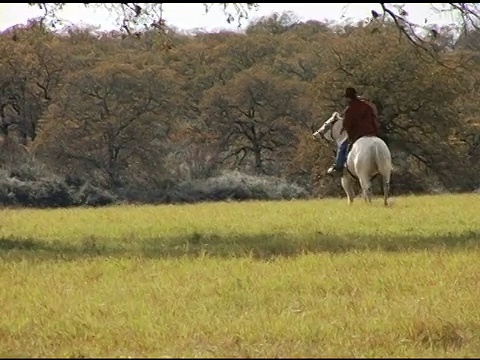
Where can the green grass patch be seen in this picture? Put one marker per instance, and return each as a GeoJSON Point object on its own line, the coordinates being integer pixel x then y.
{"type": "Point", "coordinates": [253, 279]}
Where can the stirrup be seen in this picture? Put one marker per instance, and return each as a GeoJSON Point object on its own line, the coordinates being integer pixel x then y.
{"type": "Point", "coordinates": [335, 170]}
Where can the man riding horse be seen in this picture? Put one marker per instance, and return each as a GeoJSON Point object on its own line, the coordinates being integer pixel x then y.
{"type": "Point", "coordinates": [359, 119]}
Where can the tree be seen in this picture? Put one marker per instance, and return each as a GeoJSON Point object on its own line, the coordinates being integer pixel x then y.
{"type": "Point", "coordinates": [134, 111]}
{"type": "Point", "coordinates": [407, 92]}
{"type": "Point", "coordinates": [275, 24]}
{"type": "Point", "coordinates": [31, 64]}
{"type": "Point", "coordinates": [303, 51]}
{"type": "Point", "coordinates": [254, 116]}
{"type": "Point", "coordinates": [111, 118]}
{"type": "Point", "coordinates": [467, 19]}
{"type": "Point", "coordinates": [150, 15]}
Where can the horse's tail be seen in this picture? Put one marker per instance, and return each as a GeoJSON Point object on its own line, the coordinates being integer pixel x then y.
{"type": "Point", "coordinates": [383, 159]}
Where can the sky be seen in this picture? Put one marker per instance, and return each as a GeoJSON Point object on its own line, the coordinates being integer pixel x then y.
{"type": "Point", "coordinates": [192, 16]}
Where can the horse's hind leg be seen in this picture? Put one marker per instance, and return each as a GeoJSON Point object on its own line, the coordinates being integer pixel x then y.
{"type": "Point", "coordinates": [386, 188]}
{"type": "Point", "coordinates": [366, 185]}
{"type": "Point", "coordinates": [348, 187]}
{"type": "Point", "coordinates": [369, 193]}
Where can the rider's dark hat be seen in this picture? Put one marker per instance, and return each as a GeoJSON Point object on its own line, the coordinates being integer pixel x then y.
{"type": "Point", "coordinates": [350, 93]}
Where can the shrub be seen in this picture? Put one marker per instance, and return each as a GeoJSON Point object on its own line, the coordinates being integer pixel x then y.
{"type": "Point", "coordinates": [31, 184]}
{"type": "Point", "coordinates": [91, 195]}
{"type": "Point", "coordinates": [234, 186]}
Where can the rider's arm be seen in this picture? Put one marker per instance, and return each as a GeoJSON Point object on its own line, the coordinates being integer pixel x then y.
{"type": "Point", "coordinates": [375, 113]}
{"type": "Point", "coordinates": [343, 119]}
{"type": "Point", "coordinates": [370, 113]}
{"type": "Point", "coordinates": [348, 119]}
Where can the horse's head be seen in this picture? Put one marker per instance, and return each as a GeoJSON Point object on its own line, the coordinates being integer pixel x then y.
{"type": "Point", "coordinates": [331, 130]}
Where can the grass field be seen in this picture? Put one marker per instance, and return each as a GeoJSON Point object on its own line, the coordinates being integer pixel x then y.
{"type": "Point", "coordinates": [258, 279]}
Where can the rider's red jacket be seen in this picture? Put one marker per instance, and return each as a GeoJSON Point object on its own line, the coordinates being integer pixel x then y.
{"type": "Point", "coordinates": [359, 120]}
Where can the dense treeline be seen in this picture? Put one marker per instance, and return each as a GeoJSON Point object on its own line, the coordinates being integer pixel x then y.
{"type": "Point", "coordinates": [90, 118]}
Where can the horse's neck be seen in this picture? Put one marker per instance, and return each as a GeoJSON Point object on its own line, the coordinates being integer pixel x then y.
{"type": "Point", "coordinates": [341, 136]}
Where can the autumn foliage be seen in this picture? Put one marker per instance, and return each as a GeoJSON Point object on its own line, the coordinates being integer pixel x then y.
{"type": "Point", "coordinates": [131, 115]}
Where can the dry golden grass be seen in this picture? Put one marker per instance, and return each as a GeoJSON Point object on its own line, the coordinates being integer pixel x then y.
{"type": "Point", "coordinates": [258, 279]}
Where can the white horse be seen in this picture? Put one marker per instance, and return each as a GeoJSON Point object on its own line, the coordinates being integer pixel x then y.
{"type": "Point", "coordinates": [368, 157]}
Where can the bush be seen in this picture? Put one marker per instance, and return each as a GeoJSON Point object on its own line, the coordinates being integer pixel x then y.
{"type": "Point", "coordinates": [234, 186]}
{"type": "Point", "coordinates": [91, 195]}
{"type": "Point", "coordinates": [32, 185]}
{"type": "Point", "coordinates": [41, 193]}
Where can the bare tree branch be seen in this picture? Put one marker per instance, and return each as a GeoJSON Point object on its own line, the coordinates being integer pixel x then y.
{"type": "Point", "coordinates": [134, 17]}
